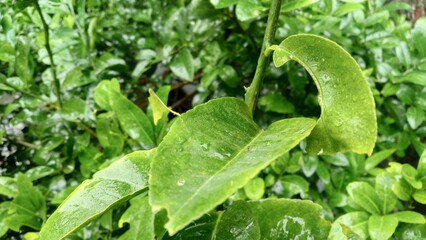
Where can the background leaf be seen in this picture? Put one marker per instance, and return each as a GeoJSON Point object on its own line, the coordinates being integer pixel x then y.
{"type": "Point", "coordinates": [382, 227]}
{"type": "Point", "coordinates": [183, 65]}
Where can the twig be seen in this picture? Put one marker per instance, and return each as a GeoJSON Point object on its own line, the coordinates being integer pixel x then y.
{"type": "Point", "coordinates": [56, 82]}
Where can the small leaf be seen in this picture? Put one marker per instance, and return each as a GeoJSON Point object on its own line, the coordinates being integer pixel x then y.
{"type": "Point", "coordinates": [22, 61]}
{"type": "Point", "coordinates": [415, 116]}
{"type": "Point", "coordinates": [382, 227]}
{"type": "Point", "coordinates": [364, 195]}
{"type": "Point", "coordinates": [273, 219]}
{"type": "Point", "coordinates": [210, 152]}
{"type": "Point", "coordinates": [109, 136]}
{"type": "Point", "coordinates": [228, 74]}
{"type": "Point", "coordinates": [101, 94]}
{"type": "Point", "coordinates": [294, 184]}
{"type": "Point", "coordinates": [255, 188]}
{"type": "Point", "coordinates": [402, 189]}
{"type": "Point", "coordinates": [416, 77]}
{"type": "Point", "coordinates": [109, 187]}
{"type": "Point", "coordinates": [223, 3]}
{"type": "Point", "coordinates": [274, 102]}
{"type": "Point", "coordinates": [4, 207]}
{"type": "Point", "coordinates": [106, 61]}
{"type": "Point", "coordinates": [159, 108]}
{"type": "Point", "coordinates": [409, 173]}
{"type": "Point", "coordinates": [323, 173]}
{"type": "Point", "coordinates": [357, 221]}
{"type": "Point", "coordinates": [141, 219]}
{"type": "Point", "coordinates": [73, 109]}
{"type": "Point", "coordinates": [183, 65]}
{"type": "Point", "coordinates": [133, 120]}
{"type": "Point", "coordinates": [421, 167]}
{"type": "Point", "coordinates": [377, 158]}
{"type": "Point", "coordinates": [410, 217]}
{"type": "Point", "coordinates": [419, 36]}
{"type": "Point", "coordinates": [8, 186]}
{"type": "Point", "coordinates": [420, 196]}
{"type": "Point", "coordinates": [248, 9]}
{"type": "Point", "coordinates": [296, 4]}
{"type": "Point", "coordinates": [36, 173]}
{"type": "Point", "coordinates": [383, 188]}
{"type": "Point", "coordinates": [348, 119]}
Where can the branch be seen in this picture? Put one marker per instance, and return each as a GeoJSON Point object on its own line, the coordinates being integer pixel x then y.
{"type": "Point", "coordinates": [254, 89]}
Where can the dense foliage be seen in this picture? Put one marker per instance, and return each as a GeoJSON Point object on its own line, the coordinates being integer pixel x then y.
{"type": "Point", "coordinates": [61, 63]}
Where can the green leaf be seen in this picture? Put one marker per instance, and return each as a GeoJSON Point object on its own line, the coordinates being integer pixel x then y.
{"type": "Point", "coordinates": [28, 208]}
{"type": "Point", "coordinates": [294, 184]}
{"type": "Point", "coordinates": [419, 36]}
{"type": "Point", "coordinates": [415, 116]}
{"type": "Point", "coordinates": [255, 188]}
{"type": "Point", "coordinates": [348, 118]}
{"type": "Point", "coordinates": [382, 227]}
{"type": "Point", "coordinates": [133, 120]}
{"type": "Point", "coordinates": [203, 228]}
{"type": "Point", "coordinates": [416, 77]}
{"type": "Point", "coordinates": [274, 102]}
{"type": "Point", "coordinates": [420, 196]}
{"type": "Point", "coordinates": [36, 173]}
{"type": "Point", "coordinates": [101, 94]}
{"type": "Point", "coordinates": [8, 186]}
{"type": "Point", "coordinates": [411, 231]}
{"type": "Point", "coordinates": [383, 188]}
{"type": "Point", "coordinates": [409, 173]}
{"type": "Point", "coordinates": [141, 219]}
{"type": "Point", "coordinates": [22, 61]}
{"type": "Point", "coordinates": [228, 74]}
{"type": "Point", "coordinates": [210, 152]}
{"type": "Point", "coordinates": [421, 166]}
{"type": "Point", "coordinates": [291, 5]}
{"type": "Point", "coordinates": [223, 3]}
{"type": "Point", "coordinates": [410, 217]}
{"type": "Point", "coordinates": [4, 207]}
{"type": "Point", "coordinates": [106, 61]}
{"type": "Point", "coordinates": [273, 219]}
{"type": "Point", "coordinates": [109, 136]}
{"type": "Point", "coordinates": [183, 65]}
{"type": "Point", "coordinates": [377, 158]}
{"type": "Point", "coordinates": [248, 10]}
{"type": "Point", "coordinates": [347, 8]}
{"type": "Point", "coordinates": [109, 187]}
{"type": "Point", "coordinates": [159, 108]}
{"type": "Point", "coordinates": [323, 173]}
{"type": "Point", "coordinates": [357, 221]}
{"type": "Point", "coordinates": [73, 109]}
{"type": "Point", "coordinates": [364, 195]}
{"type": "Point", "coordinates": [402, 189]}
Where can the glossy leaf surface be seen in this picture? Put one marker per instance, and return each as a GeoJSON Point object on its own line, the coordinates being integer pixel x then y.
{"type": "Point", "coordinates": [183, 65]}
{"type": "Point", "coordinates": [109, 187]}
{"type": "Point", "coordinates": [357, 221]}
{"type": "Point", "coordinates": [210, 152]}
{"type": "Point", "coordinates": [410, 217]}
{"type": "Point", "coordinates": [273, 219]}
{"type": "Point", "coordinates": [348, 119]}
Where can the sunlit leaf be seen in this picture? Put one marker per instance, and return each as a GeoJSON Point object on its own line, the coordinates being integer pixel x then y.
{"type": "Point", "coordinates": [210, 152]}
{"type": "Point", "coordinates": [364, 195]}
{"type": "Point", "coordinates": [348, 119]}
{"type": "Point", "coordinates": [382, 227]}
{"type": "Point", "coordinates": [141, 219]}
{"type": "Point", "coordinates": [410, 217]}
{"type": "Point", "coordinates": [183, 65]}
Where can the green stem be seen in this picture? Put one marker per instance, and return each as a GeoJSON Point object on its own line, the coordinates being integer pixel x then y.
{"type": "Point", "coordinates": [262, 62]}
{"type": "Point", "coordinates": [56, 82]}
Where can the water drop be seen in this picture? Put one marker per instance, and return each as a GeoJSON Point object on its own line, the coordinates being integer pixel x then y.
{"type": "Point", "coordinates": [180, 182]}
{"type": "Point", "coordinates": [291, 56]}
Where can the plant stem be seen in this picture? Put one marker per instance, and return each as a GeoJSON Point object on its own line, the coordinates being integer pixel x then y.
{"type": "Point", "coordinates": [56, 82]}
{"type": "Point", "coordinates": [262, 62]}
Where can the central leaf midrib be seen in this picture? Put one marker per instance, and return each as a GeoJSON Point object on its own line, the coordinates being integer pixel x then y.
{"type": "Point", "coordinates": [213, 176]}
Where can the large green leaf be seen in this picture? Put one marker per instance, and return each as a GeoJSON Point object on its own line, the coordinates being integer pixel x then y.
{"type": "Point", "coordinates": [113, 185]}
{"type": "Point", "coordinates": [273, 219]}
{"type": "Point", "coordinates": [210, 152]}
{"type": "Point", "coordinates": [348, 119]}
{"type": "Point", "coordinates": [357, 221]}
